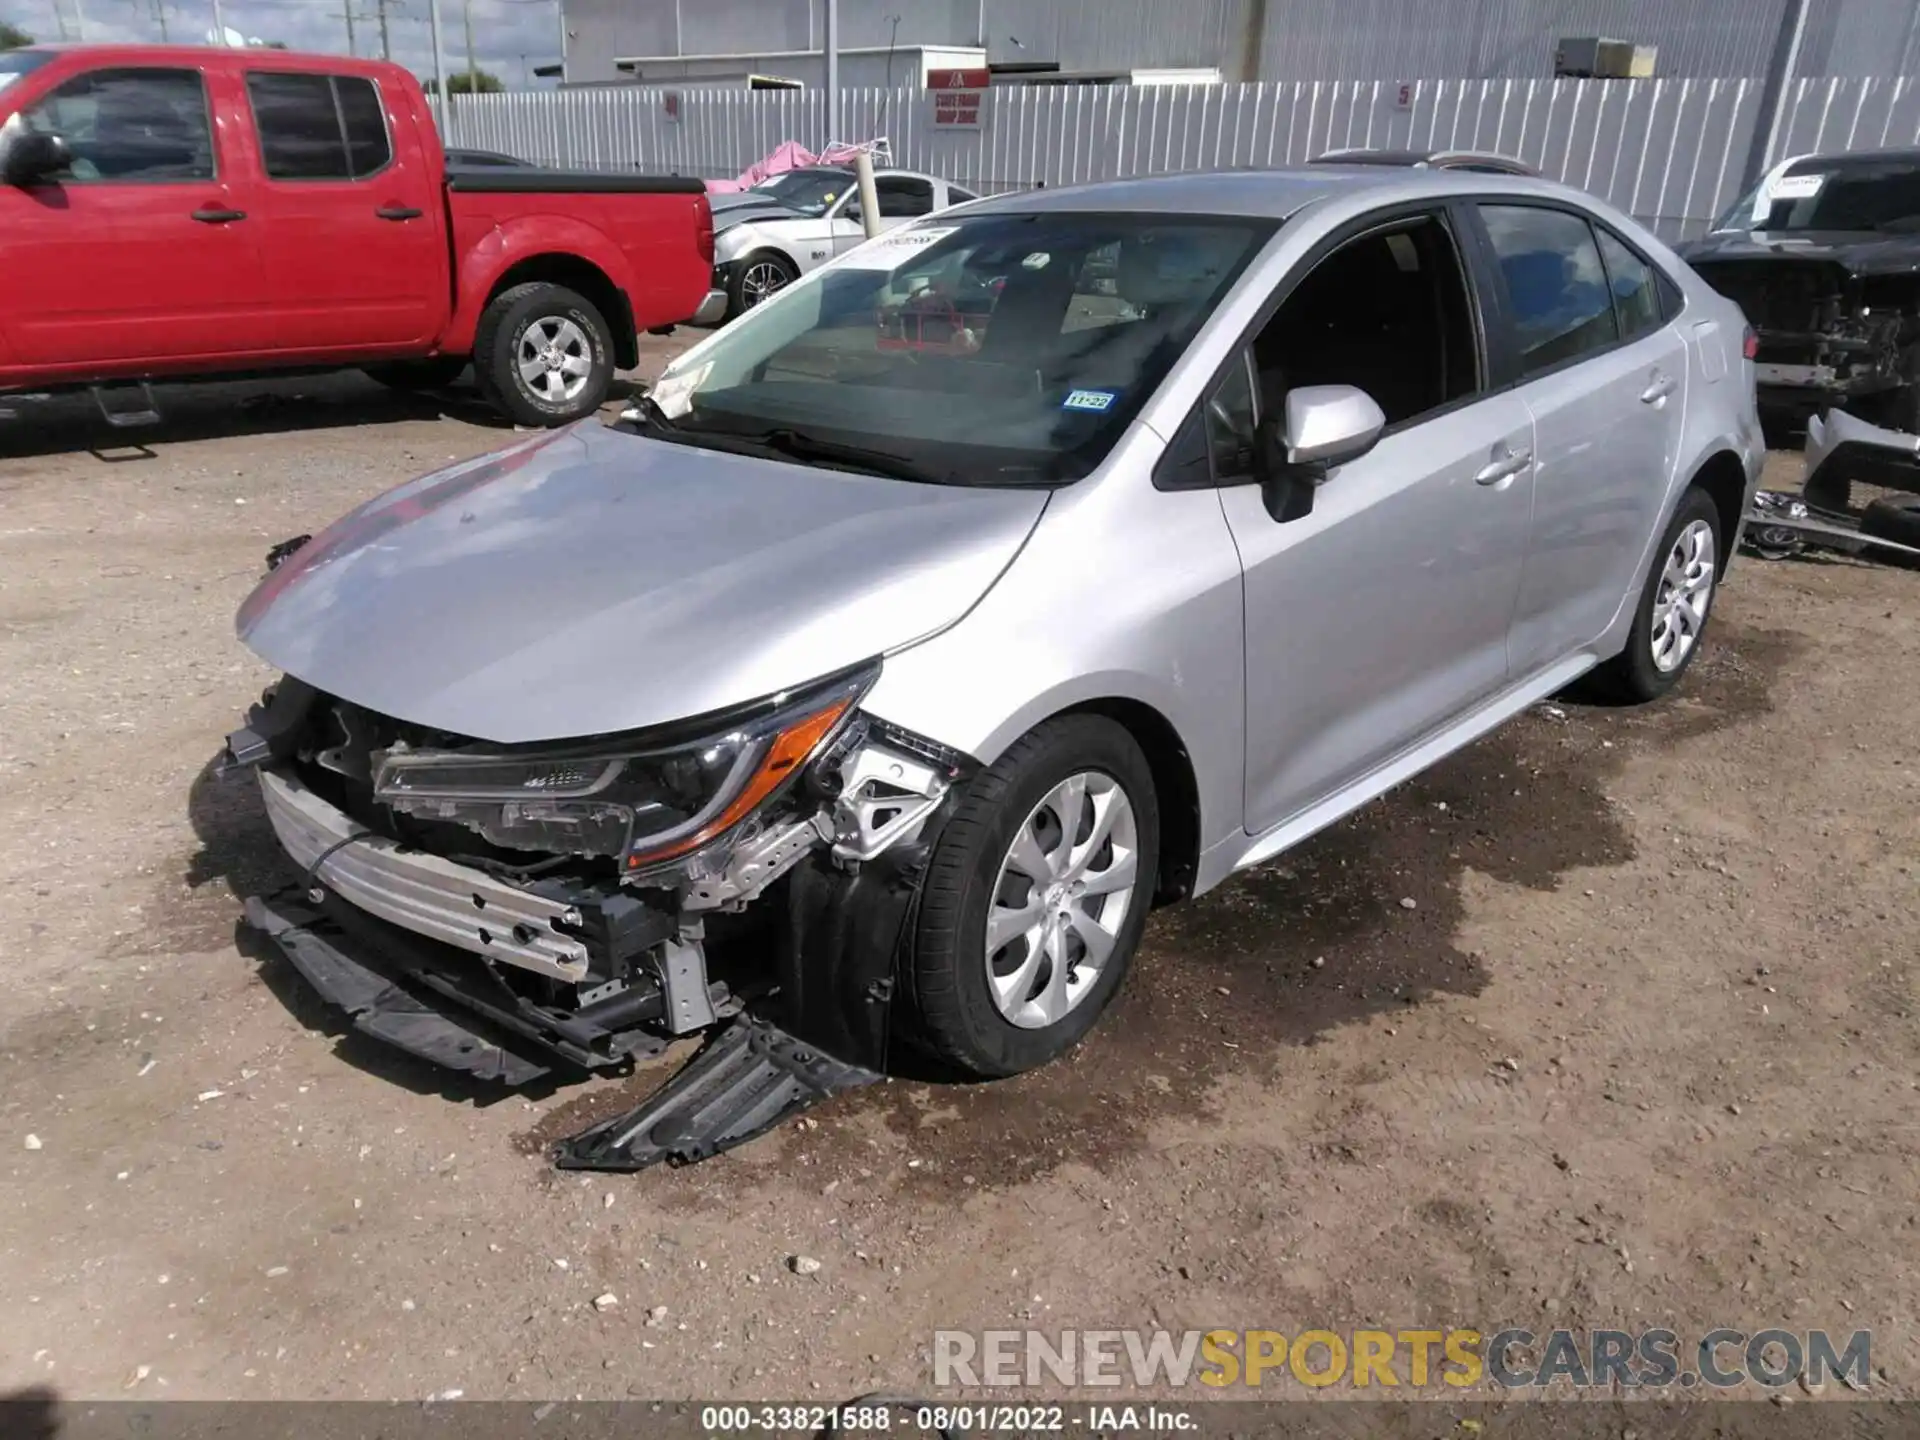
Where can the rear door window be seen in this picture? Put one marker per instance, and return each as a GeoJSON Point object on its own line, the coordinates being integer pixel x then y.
{"type": "Point", "coordinates": [319, 127]}
{"type": "Point", "coordinates": [1556, 284]}
{"type": "Point", "coordinates": [1635, 286]}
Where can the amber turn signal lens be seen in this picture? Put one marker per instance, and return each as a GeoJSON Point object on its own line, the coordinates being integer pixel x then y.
{"type": "Point", "coordinates": [789, 752]}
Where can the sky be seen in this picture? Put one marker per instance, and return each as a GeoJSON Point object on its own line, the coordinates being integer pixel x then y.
{"type": "Point", "coordinates": [504, 31]}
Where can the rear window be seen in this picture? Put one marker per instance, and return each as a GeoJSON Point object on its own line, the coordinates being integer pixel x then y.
{"type": "Point", "coordinates": [319, 127]}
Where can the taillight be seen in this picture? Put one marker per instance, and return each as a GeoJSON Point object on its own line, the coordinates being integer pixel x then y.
{"type": "Point", "coordinates": [1750, 344]}
{"type": "Point", "coordinates": [703, 231]}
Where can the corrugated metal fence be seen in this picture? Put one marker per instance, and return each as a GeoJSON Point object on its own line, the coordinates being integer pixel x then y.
{"type": "Point", "coordinates": [1669, 152]}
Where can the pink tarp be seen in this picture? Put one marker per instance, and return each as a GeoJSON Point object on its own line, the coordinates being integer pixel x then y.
{"type": "Point", "coordinates": [789, 155]}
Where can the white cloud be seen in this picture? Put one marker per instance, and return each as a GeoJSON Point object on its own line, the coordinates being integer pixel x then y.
{"type": "Point", "coordinates": [504, 31]}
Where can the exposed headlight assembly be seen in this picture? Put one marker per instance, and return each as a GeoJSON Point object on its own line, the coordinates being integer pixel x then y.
{"type": "Point", "coordinates": [639, 801]}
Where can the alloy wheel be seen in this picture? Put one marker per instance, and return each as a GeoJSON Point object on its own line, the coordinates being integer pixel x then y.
{"type": "Point", "coordinates": [762, 278]}
{"type": "Point", "coordinates": [555, 359]}
{"type": "Point", "coordinates": [1686, 591]}
{"type": "Point", "coordinates": [1061, 899]}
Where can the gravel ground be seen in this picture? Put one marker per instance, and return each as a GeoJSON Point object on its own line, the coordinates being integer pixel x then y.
{"type": "Point", "coordinates": [1609, 1020]}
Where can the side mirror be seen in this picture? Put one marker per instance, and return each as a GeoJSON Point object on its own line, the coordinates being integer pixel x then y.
{"type": "Point", "coordinates": [1328, 425]}
{"type": "Point", "coordinates": [35, 155]}
{"type": "Point", "coordinates": [1325, 426]}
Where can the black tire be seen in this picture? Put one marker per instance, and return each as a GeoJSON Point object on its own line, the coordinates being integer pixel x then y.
{"type": "Point", "coordinates": [953, 1016]}
{"type": "Point", "coordinates": [1632, 676]}
{"type": "Point", "coordinates": [1895, 518]}
{"type": "Point", "coordinates": [409, 375]}
{"type": "Point", "coordinates": [496, 347]}
{"type": "Point", "coordinates": [738, 300]}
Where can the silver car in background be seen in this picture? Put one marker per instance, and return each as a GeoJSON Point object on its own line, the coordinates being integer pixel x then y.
{"type": "Point", "coordinates": [768, 237]}
{"type": "Point", "coordinates": [1022, 570]}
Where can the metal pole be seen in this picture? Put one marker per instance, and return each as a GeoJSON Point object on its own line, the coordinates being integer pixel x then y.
{"type": "Point", "coordinates": [473, 72]}
{"type": "Point", "coordinates": [1774, 89]}
{"type": "Point", "coordinates": [386, 50]}
{"type": "Point", "coordinates": [79, 21]}
{"type": "Point", "coordinates": [440, 74]}
{"type": "Point", "coordinates": [560, 8]}
{"type": "Point", "coordinates": [347, 10]}
{"type": "Point", "coordinates": [869, 197]}
{"type": "Point", "coordinates": [833, 70]}
{"type": "Point", "coordinates": [219, 25]}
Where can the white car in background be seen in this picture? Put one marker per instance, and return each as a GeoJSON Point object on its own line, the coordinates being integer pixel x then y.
{"type": "Point", "coordinates": [768, 237]}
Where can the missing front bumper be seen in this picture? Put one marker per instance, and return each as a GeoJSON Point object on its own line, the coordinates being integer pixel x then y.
{"type": "Point", "coordinates": [750, 1076]}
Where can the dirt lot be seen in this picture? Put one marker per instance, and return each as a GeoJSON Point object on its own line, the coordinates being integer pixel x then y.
{"type": "Point", "coordinates": [1609, 1021]}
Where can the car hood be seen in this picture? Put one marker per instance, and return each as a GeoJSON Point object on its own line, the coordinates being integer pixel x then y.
{"type": "Point", "coordinates": [1863, 253]}
{"type": "Point", "coordinates": [590, 581]}
{"type": "Point", "coordinates": [750, 210]}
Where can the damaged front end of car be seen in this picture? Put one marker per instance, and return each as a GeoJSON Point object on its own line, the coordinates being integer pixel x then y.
{"type": "Point", "coordinates": [1829, 334]}
{"type": "Point", "coordinates": [518, 911]}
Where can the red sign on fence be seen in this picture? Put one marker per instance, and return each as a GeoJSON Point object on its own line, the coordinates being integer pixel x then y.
{"type": "Point", "coordinates": [957, 97]}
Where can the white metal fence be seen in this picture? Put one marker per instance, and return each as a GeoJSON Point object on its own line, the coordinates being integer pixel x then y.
{"type": "Point", "coordinates": [1669, 152]}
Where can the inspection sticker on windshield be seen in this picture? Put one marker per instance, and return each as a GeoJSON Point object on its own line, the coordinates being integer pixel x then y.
{"type": "Point", "coordinates": [891, 251]}
{"type": "Point", "coordinates": [1090, 400]}
{"type": "Point", "coordinates": [1797, 187]}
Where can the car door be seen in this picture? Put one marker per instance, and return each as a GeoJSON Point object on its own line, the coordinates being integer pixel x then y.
{"type": "Point", "coordinates": [902, 198]}
{"type": "Point", "coordinates": [140, 252]}
{"type": "Point", "coordinates": [1604, 377]}
{"type": "Point", "coordinates": [1380, 616]}
{"type": "Point", "coordinates": [351, 215]}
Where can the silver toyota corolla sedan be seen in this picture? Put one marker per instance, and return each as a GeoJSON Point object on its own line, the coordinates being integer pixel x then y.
{"type": "Point", "coordinates": [1027, 567]}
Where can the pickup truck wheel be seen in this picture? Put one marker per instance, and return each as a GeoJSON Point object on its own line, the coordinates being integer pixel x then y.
{"type": "Point", "coordinates": [1034, 899]}
{"type": "Point", "coordinates": [543, 354]}
{"type": "Point", "coordinates": [434, 374]}
{"type": "Point", "coordinates": [760, 275]}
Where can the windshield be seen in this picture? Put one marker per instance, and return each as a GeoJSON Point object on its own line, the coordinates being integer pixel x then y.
{"type": "Point", "coordinates": [808, 191]}
{"type": "Point", "coordinates": [1832, 195]}
{"type": "Point", "coordinates": [991, 350]}
{"type": "Point", "coordinates": [15, 63]}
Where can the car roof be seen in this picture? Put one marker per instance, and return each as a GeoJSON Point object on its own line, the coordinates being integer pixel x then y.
{"type": "Point", "coordinates": [1267, 194]}
{"type": "Point", "coordinates": [200, 57]}
{"type": "Point", "coordinates": [1860, 159]}
{"type": "Point", "coordinates": [1440, 158]}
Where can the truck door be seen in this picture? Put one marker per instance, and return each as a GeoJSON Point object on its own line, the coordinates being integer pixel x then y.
{"type": "Point", "coordinates": [140, 251]}
{"type": "Point", "coordinates": [351, 215]}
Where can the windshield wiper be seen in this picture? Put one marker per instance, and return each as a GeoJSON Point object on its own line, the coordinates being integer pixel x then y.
{"type": "Point", "coordinates": [801, 446]}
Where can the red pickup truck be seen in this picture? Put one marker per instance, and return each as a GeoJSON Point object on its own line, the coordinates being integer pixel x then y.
{"type": "Point", "coordinates": [172, 212]}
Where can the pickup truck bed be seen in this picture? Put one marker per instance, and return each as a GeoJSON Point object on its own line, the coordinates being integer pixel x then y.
{"type": "Point", "coordinates": [176, 212]}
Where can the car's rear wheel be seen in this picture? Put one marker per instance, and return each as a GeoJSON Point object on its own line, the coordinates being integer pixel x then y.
{"type": "Point", "coordinates": [543, 354]}
{"type": "Point", "coordinates": [761, 275]}
{"type": "Point", "coordinates": [1674, 607]}
{"type": "Point", "coordinates": [1035, 898]}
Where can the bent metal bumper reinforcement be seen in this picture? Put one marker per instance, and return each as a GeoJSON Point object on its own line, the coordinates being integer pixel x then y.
{"type": "Point", "coordinates": [423, 893]}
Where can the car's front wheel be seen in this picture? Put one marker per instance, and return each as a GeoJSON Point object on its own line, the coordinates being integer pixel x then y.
{"type": "Point", "coordinates": [762, 275]}
{"type": "Point", "coordinates": [1035, 898]}
{"type": "Point", "coordinates": [1674, 606]}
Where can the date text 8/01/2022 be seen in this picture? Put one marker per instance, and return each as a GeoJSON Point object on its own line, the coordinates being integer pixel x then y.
{"type": "Point", "coordinates": [872, 1419]}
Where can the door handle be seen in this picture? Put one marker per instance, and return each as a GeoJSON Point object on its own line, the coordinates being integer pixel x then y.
{"type": "Point", "coordinates": [213, 215]}
{"type": "Point", "coordinates": [1659, 389]}
{"type": "Point", "coordinates": [399, 212]}
{"type": "Point", "coordinates": [1506, 467]}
